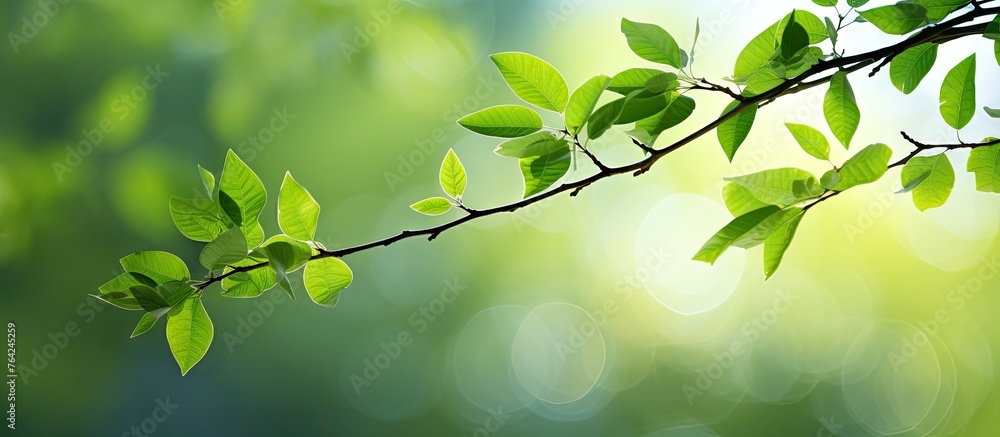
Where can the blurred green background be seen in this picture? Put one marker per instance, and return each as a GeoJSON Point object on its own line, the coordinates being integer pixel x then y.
{"type": "Point", "coordinates": [881, 320]}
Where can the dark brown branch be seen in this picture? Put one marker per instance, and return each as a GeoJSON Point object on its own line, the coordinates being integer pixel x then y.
{"type": "Point", "coordinates": [941, 33]}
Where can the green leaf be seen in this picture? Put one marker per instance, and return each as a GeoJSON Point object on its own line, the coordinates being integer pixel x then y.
{"type": "Point", "coordinates": [841, 109]}
{"type": "Point", "coordinates": [583, 101]}
{"type": "Point", "coordinates": [242, 197]}
{"type": "Point", "coordinates": [432, 206]}
{"type": "Point", "coordinates": [662, 83]}
{"type": "Point", "coordinates": [739, 200]}
{"type": "Point", "coordinates": [793, 39]}
{"type": "Point", "coordinates": [746, 231]}
{"type": "Point", "coordinates": [507, 121]}
{"type": "Point", "coordinates": [198, 219]}
{"type": "Point", "coordinates": [909, 68]}
{"type": "Point", "coordinates": [161, 267]}
{"type": "Point", "coordinates": [124, 281]}
{"type": "Point", "coordinates": [208, 180]}
{"type": "Point", "coordinates": [734, 131]}
{"type": "Point", "coordinates": [298, 212]}
{"type": "Point", "coordinates": [811, 140]}
{"type": "Point", "coordinates": [993, 29]}
{"type": "Point", "coordinates": [831, 29]}
{"type": "Point", "coordinates": [758, 52]}
{"type": "Point", "coordinates": [147, 298]}
{"type": "Point", "coordinates": [777, 186]}
{"type": "Point", "coordinates": [679, 108]}
{"type": "Point", "coordinates": [996, 51]}
{"type": "Point", "coordinates": [652, 43]}
{"type": "Point", "coordinates": [286, 252]}
{"type": "Point", "coordinates": [189, 333]}
{"type": "Point", "coordinates": [914, 183]}
{"type": "Point", "coordinates": [937, 10]}
{"type": "Point", "coordinates": [958, 93]}
{"type": "Point", "coordinates": [865, 167]}
{"type": "Point", "coordinates": [452, 177]}
{"type": "Point", "coordinates": [604, 117]}
{"type": "Point", "coordinates": [994, 113]}
{"type": "Point", "coordinates": [536, 144]}
{"type": "Point", "coordinates": [938, 178]}
{"type": "Point", "coordinates": [762, 81]}
{"type": "Point", "coordinates": [633, 79]}
{"type": "Point", "coordinates": [120, 299]}
{"type": "Point", "coordinates": [324, 280]}
{"type": "Point", "coordinates": [638, 108]}
{"type": "Point", "coordinates": [146, 323]}
{"type": "Point", "coordinates": [898, 19]}
{"type": "Point", "coordinates": [777, 243]}
{"type": "Point", "coordinates": [229, 248]}
{"type": "Point", "coordinates": [252, 283]}
{"type": "Point", "coordinates": [827, 3]}
{"type": "Point", "coordinates": [541, 172]}
{"type": "Point", "coordinates": [175, 292]}
{"type": "Point", "coordinates": [984, 162]}
{"type": "Point", "coordinates": [533, 80]}
{"type": "Point", "coordinates": [856, 3]}
{"type": "Point", "coordinates": [830, 179]}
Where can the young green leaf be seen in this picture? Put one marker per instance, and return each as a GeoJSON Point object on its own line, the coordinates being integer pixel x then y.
{"type": "Point", "coordinates": [249, 284]}
{"type": "Point", "coordinates": [984, 162]}
{"type": "Point", "coordinates": [739, 200]}
{"type": "Point", "coordinates": [841, 109]}
{"type": "Point", "coordinates": [208, 180]}
{"type": "Point", "coordinates": [996, 51]}
{"type": "Point", "coordinates": [938, 179]}
{"type": "Point", "coordinates": [432, 206]}
{"type": "Point", "coordinates": [452, 177]}
{"type": "Point", "coordinates": [242, 197]}
{"type": "Point", "coordinates": [604, 117]}
{"type": "Point", "coordinates": [958, 93]}
{"type": "Point", "coordinates": [994, 113]}
{"type": "Point", "coordinates": [175, 292]}
{"type": "Point", "coordinates": [777, 186]}
{"type": "Point", "coordinates": [865, 167]}
{"type": "Point", "coordinates": [777, 243]}
{"type": "Point", "coordinates": [909, 68]}
{"type": "Point", "coordinates": [286, 253]}
{"type": "Point", "coordinates": [229, 248]}
{"type": "Point", "coordinates": [198, 219]}
{"type": "Point", "coordinates": [914, 183]}
{"type": "Point", "coordinates": [937, 10]}
{"type": "Point", "coordinates": [827, 3]}
{"type": "Point", "coordinates": [758, 52]}
{"type": "Point", "coordinates": [324, 280]}
{"type": "Point", "coordinates": [120, 299]}
{"type": "Point", "coordinates": [662, 83]}
{"type": "Point", "coordinates": [536, 144]}
{"type": "Point", "coordinates": [811, 140]}
{"type": "Point", "coordinates": [830, 179]}
{"type": "Point", "coordinates": [898, 19]}
{"type": "Point", "coordinates": [638, 108]}
{"type": "Point", "coordinates": [146, 323]}
{"type": "Point", "coordinates": [533, 80]}
{"type": "Point", "coordinates": [161, 267]}
{"type": "Point", "coordinates": [583, 101]}
{"type": "Point", "coordinates": [541, 172]}
{"type": "Point", "coordinates": [679, 108]}
{"type": "Point", "coordinates": [652, 43]}
{"type": "Point", "coordinates": [189, 333]}
{"type": "Point", "coordinates": [633, 79]}
{"type": "Point", "coordinates": [831, 29]}
{"type": "Point", "coordinates": [298, 212]}
{"type": "Point", "coordinates": [734, 131]}
{"type": "Point", "coordinates": [762, 81]}
{"type": "Point", "coordinates": [507, 121]}
{"type": "Point", "coordinates": [746, 231]}
{"type": "Point", "coordinates": [148, 298]}
{"type": "Point", "coordinates": [856, 3]}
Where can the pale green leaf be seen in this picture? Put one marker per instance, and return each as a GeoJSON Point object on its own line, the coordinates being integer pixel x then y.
{"type": "Point", "coordinates": [758, 52]}
{"type": "Point", "coordinates": [739, 200]}
{"type": "Point", "coordinates": [734, 131]}
{"type": "Point", "coordinates": [958, 93]}
{"type": "Point", "coordinates": [762, 81]}
{"type": "Point", "coordinates": [777, 243]}
{"type": "Point", "coordinates": [811, 140]}
{"type": "Point", "coordinates": [298, 212]}
{"type": "Point", "coordinates": [452, 176]}
{"type": "Point", "coordinates": [841, 109]}
{"type": "Point", "coordinates": [937, 10]}
{"type": "Point", "coordinates": [229, 248]}
{"type": "Point", "coordinates": [251, 283]}
{"type": "Point", "coordinates": [638, 108]}
{"type": "Point", "coordinates": [583, 101]}
{"type": "Point", "coordinates": [652, 43]}
{"type": "Point", "coordinates": [830, 179]}
{"type": "Point", "coordinates": [198, 219]}
{"type": "Point", "coordinates": [189, 333]}
{"type": "Point", "coordinates": [856, 3]}
{"type": "Point", "coordinates": [897, 19]}
{"type": "Point", "coordinates": [507, 121]}
{"type": "Point", "coordinates": [604, 117]}
{"type": "Point", "coordinates": [865, 167]}
{"type": "Point", "coordinates": [324, 280]}
{"type": "Point", "coordinates": [146, 323]}
{"type": "Point", "coordinates": [161, 267]}
{"type": "Point", "coordinates": [662, 83]}
{"type": "Point", "coordinates": [286, 253]}
{"type": "Point", "coordinates": [938, 179]}
{"type": "Point", "coordinates": [746, 231]}
{"type": "Point", "coordinates": [242, 197]}
{"type": "Point", "coordinates": [633, 79]}
{"type": "Point", "coordinates": [909, 68]}
{"type": "Point", "coordinates": [777, 186]}
{"type": "Point", "coordinates": [541, 172]}
{"type": "Point", "coordinates": [533, 80]}
{"type": "Point", "coordinates": [536, 144]}
{"type": "Point", "coordinates": [432, 206]}
{"type": "Point", "coordinates": [984, 162]}
{"type": "Point", "coordinates": [827, 3]}
{"type": "Point", "coordinates": [994, 113]}
{"type": "Point", "coordinates": [208, 180]}
{"type": "Point", "coordinates": [679, 108]}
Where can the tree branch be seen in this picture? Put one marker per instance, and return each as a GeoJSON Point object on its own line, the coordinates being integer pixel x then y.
{"type": "Point", "coordinates": [941, 33]}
